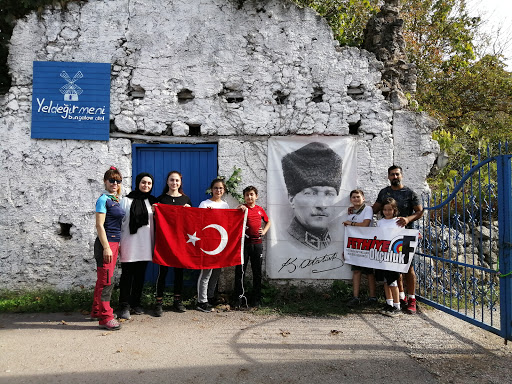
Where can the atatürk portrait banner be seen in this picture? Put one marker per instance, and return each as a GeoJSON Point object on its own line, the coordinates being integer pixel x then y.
{"type": "Point", "coordinates": [308, 182]}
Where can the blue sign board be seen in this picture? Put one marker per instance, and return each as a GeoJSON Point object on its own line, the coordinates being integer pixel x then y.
{"type": "Point", "coordinates": [71, 100]}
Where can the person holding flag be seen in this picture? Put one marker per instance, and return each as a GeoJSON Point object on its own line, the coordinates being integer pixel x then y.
{"type": "Point", "coordinates": [204, 239]}
{"type": "Point", "coordinates": [208, 278]}
{"type": "Point", "coordinates": [173, 195]}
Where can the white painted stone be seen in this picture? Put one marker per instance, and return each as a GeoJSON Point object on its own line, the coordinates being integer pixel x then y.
{"type": "Point", "coordinates": [412, 141]}
{"type": "Point", "coordinates": [179, 128]}
{"type": "Point", "coordinates": [13, 105]}
{"type": "Point", "coordinates": [68, 34]}
{"type": "Point", "coordinates": [125, 123]}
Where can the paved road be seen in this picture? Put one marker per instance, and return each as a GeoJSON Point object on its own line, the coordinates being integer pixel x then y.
{"type": "Point", "coordinates": [241, 347]}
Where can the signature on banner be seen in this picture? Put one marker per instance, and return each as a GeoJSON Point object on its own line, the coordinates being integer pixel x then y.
{"type": "Point", "coordinates": [316, 264]}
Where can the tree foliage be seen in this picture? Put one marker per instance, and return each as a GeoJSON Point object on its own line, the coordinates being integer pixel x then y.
{"type": "Point", "coordinates": [469, 92]}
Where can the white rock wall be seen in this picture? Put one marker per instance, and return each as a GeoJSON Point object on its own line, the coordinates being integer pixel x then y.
{"type": "Point", "coordinates": [240, 74]}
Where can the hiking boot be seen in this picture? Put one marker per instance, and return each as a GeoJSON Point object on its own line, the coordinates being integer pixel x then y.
{"type": "Point", "coordinates": [411, 306]}
{"type": "Point", "coordinates": [124, 313]}
{"type": "Point", "coordinates": [204, 307]}
{"type": "Point", "coordinates": [158, 310]}
{"type": "Point", "coordinates": [390, 311]}
{"type": "Point", "coordinates": [137, 310]}
{"type": "Point", "coordinates": [178, 306]}
{"type": "Point", "coordinates": [354, 302]}
{"type": "Point", "coordinates": [111, 325]}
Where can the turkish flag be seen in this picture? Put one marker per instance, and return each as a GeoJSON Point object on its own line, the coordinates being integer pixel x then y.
{"type": "Point", "coordinates": [198, 238]}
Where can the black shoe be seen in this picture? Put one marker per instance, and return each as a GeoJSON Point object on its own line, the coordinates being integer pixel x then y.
{"type": "Point", "coordinates": [354, 302]}
{"type": "Point", "coordinates": [178, 306]}
{"type": "Point", "coordinates": [124, 313]}
{"type": "Point", "coordinates": [158, 310]}
{"type": "Point", "coordinates": [204, 307]}
{"type": "Point", "coordinates": [137, 310]}
{"type": "Point", "coordinates": [372, 302]}
{"type": "Point", "coordinates": [390, 311]}
{"type": "Point", "coordinates": [241, 304]}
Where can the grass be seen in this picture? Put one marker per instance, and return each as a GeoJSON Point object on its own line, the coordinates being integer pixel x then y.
{"type": "Point", "coordinates": [286, 300]}
{"type": "Point", "coordinates": [47, 300]}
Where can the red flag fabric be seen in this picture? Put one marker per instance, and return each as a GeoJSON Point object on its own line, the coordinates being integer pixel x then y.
{"type": "Point", "coordinates": [198, 238]}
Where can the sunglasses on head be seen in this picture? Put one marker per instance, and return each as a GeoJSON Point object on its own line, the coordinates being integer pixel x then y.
{"type": "Point", "coordinates": [114, 181]}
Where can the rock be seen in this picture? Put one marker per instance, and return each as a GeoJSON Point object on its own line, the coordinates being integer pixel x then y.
{"type": "Point", "coordinates": [125, 124]}
{"type": "Point", "coordinates": [180, 129]}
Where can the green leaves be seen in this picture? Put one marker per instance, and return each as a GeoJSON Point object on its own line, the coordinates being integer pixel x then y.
{"type": "Point", "coordinates": [347, 18]}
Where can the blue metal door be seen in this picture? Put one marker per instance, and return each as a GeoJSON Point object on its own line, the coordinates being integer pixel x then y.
{"type": "Point", "coordinates": [196, 162]}
{"type": "Point", "coordinates": [464, 259]}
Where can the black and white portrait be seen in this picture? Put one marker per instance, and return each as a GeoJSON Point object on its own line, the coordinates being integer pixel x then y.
{"type": "Point", "coordinates": [309, 181]}
{"type": "Point", "coordinates": [312, 175]}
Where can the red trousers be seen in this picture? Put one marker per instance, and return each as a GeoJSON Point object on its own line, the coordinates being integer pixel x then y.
{"type": "Point", "coordinates": [103, 291]}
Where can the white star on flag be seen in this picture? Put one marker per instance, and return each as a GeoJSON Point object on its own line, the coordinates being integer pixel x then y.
{"type": "Point", "coordinates": [192, 238]}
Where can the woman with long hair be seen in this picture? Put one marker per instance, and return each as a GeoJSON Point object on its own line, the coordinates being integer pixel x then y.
{"type": "Point", "coordinates": [173, 195]}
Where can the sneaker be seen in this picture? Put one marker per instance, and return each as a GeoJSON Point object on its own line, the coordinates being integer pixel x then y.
{"type": "Point", "coordinates": [354, 302]}
{"type": "Point", "coordinates": [411, 306]}
{"type": "Point", "coordinates": [204, 307]}
{"type": "Point", "coordinates": [178, 306]}
{"type": "Point", "coordinates": [372, 302]}
{"type": "Point", "coordinates": [124, 313]}
{"type": "Point", "coordinates": [137, 310]}
{"type": "Point", "coordinates": [403, 304]}
{"type": "Point", "coordinates": [111, 325]}
{"type": "Point", "coordinates": [96, 317]}
{"type": "Point", "coordinates": [158, 310]}
{"type": "Point", "coordinates": [385, 307]}
{"type": "Point", "coordinates": [390, 311]}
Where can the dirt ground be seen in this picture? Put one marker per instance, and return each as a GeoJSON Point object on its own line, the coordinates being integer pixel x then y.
{"type": "Point", "coordinates": [242, 347]}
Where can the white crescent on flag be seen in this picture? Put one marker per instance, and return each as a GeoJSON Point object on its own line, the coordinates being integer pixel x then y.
{"type": "Point", "coordinates": [181, 243]}
{"type": "Point", "coordinates": [223, 239]}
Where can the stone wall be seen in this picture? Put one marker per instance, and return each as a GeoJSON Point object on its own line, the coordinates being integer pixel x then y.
{"type": "Point", "coordinates": [221, 71]}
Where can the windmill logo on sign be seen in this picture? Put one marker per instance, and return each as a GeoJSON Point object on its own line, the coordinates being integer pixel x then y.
{"type": "Point", "coordinates": [71, 90]}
